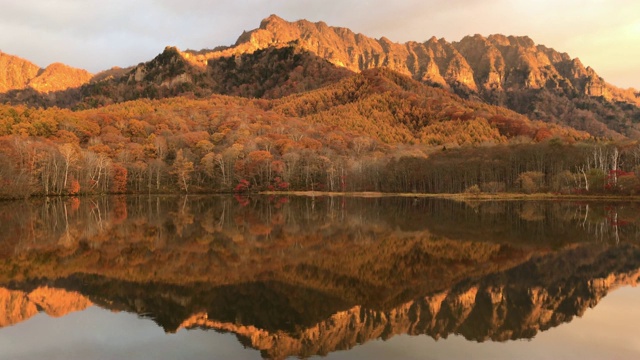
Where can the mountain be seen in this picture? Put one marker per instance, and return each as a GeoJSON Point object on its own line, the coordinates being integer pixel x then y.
{"type": "Point", "coordinates": [507, 71]}
{"type": "Point", "coordinates": [267, 73]}
{"type": "Point", "coordinates": [475, 63]}
{"type": "Point", "coordinates": [510, 71]}
{"type": "Point", "coordinates": [394, 108]}
{"type": "Point", "coordinates": [281, 58]}
{"type": "Point", "coordinates": [20, 74]}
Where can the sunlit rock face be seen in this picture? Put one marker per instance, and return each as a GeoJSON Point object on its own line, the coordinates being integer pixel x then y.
{"type": "Point", "coordinates": [475, 63]}
{"type": "Point", "coordinates": [15, 73]}
{"type": "Point", "coordinates": [18, 74]}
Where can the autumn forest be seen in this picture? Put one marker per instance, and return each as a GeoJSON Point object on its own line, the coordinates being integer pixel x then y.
{"type": "Point", "coordinates": [284, 118]}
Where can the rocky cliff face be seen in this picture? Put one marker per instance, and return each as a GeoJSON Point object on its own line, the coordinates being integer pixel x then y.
{"type": "Point", "coordinates": [15, 73]}
{"type": "Point", "coordinates": [19, 74]}
{"type": "Point", "coordinates": [475, 63]}
{"type": "Point", "coordinates": [510, 71]}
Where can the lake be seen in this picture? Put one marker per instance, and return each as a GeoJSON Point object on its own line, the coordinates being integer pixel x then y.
{"type": "Point", "coordinates": [219, 277]}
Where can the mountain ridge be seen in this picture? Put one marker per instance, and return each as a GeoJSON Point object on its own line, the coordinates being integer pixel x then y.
{"type": "Point", "coordinates": [509, 71]}
{"type": "Point", "coordinates": [281, 58]}
{"type": "Point", "coordinates": [20, 74]}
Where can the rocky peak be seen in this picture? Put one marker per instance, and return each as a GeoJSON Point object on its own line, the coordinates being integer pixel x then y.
{"type": "Point", "coordinates": [499, 40]}
{"type": "Point", "coordinates": [169, 68]}
{"type": "Point", "coordinates": [553, 55]}
{"type": "Point", "coordinates": [272, 21]}
{"type": "Point", "coordinates": [58, 76]}
{"type": "Point", "coordinates": [476, 63]}
{"type": "Point", "coordinates": [434, 61]}
{"type": "Point", "coordinates": [15, 72]}
{"type": "Point", "coordinates": [18, 74]}
{"type": "Point", "coordinates": [487, 63]}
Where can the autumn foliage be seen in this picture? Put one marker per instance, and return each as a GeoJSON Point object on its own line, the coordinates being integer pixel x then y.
{"type": "Point", "coordinates": [374, 131]}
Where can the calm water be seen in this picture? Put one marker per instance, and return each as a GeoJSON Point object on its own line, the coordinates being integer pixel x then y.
{"type": "Point", "coordinates": [346, 278]}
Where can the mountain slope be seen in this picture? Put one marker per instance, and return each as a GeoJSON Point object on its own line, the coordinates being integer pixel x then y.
{"type": "Point", "coordinates": [20, 74]}
{"type": "Point", "coordinates": [394, 109]}
{"type": "Point", "coordinates": [268, 73]}
{"type": "Point", "coordinates": [15, 73]}
{"type": "Point", "coordinates": [508, 71]}
{"type": "Point", "coordinates": [58, 77]}
{"type": "Point", "coordinates": [474, 63]}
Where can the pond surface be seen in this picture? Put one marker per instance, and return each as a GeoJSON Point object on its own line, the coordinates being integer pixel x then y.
{"type": "Point", "coordinates": [162, 277]}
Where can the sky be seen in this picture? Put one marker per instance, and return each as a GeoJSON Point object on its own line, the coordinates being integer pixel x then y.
{"type": "Point", "coordinates": [99, 34]}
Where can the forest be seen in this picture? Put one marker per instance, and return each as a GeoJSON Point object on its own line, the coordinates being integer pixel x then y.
{"type": "Point", "coordinates": [374, 131]}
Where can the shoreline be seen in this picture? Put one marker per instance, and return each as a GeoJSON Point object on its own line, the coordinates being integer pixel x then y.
{"type": "Point", "coordinates": [372, 194]}
{"type": "Point", "coordinates": [458, 196]}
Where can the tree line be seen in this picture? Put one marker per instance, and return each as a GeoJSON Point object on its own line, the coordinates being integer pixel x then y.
{"type": "Point", "coordinates": [378, 140]}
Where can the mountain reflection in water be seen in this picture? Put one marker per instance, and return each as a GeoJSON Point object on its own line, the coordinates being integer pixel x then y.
{"type": "Point", "coordinates": [300, 276]}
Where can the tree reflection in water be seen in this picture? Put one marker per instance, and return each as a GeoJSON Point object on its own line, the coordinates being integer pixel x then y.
{"type": "Point", "coordinates": [304, 276]}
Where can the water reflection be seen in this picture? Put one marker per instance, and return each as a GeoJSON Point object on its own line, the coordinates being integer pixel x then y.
{"type": "Point", "coordinates": [305, 276]}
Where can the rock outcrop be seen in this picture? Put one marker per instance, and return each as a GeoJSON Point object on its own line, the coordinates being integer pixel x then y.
{"type": "Point", "coordinates": [475, 64]}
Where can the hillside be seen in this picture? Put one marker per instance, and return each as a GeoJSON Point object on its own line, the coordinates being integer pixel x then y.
{"type": "Point", "coordinates": [15, 73]}
{"type": "Point", "coordinates": [20, 74]}
{"type": "Point", "coordinates": [395, 109]}
{"type": "Point", "coordinates": [268, 73]}
{"type": "Point", "coordinates": [358, 125]}
{"type": "Point", "coordinates": [304, 106]}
